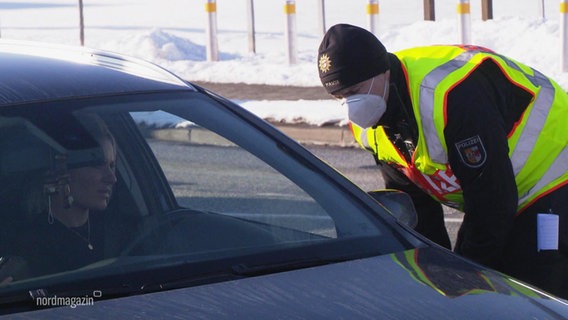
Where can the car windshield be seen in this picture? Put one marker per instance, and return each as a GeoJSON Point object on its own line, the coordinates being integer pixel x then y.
{"type": "Point", "coordinates": [154, 191]}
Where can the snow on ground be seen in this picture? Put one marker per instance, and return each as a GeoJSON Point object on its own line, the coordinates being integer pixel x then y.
{"type": "Point", "coordinates": [171, 33]}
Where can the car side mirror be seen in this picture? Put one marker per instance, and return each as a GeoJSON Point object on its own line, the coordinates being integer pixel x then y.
{"type": "Point", "coordinates": [398, 203]}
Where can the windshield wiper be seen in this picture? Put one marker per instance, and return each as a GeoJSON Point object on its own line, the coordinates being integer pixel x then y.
{"type": "Point", "coordinates": [255, 270]}
{"type": "Point", "coordinates": [235, 272]}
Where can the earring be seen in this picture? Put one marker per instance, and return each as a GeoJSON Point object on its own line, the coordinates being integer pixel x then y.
{"type": "Point", "coordinates": [68, 197]}
{"type": "Point", "coordinates": [50, 218]}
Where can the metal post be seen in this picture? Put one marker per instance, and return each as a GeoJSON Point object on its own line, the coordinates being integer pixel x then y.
{"type": "Point", "coordinates": [321, 9]}
{"type": "Point", "coordinates": [251, 29]}
{"type": "Point", "coordinates": [373, 15]}
{"type": "Point", "coordinates": [81, 24]}
{"type": "Point", "coordinates": [541, 11]}
{"type": "Point", "coordinates": [486, 10]}
{"type": "Point", "coordinates": [464, 25]}
{"type": "Point", "coordinates": [429, 11]}
{"type": "Point", "coordinates": [212, 48]}
{"type": "Point", "coordinates": [564, 33]}
{"type": "Point", "coordinates": [290, 33]}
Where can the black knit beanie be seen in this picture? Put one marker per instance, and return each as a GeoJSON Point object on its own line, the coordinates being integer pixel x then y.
{"type": "Point", "coordinates": [348, 55]}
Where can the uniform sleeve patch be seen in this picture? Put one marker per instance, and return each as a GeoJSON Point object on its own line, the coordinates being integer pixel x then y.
{"type": "Point", "coordinates": [472, 152]}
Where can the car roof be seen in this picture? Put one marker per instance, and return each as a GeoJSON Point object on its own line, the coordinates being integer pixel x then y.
{"type": "Point", "coordinates": [35, 72]}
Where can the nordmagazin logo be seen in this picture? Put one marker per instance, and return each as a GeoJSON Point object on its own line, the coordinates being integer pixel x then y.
{"type": "Point", "coordinates": [72, 302]}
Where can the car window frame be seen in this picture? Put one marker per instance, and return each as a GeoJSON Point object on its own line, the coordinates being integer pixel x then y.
{"type": "Point", "coordinates": [109, 107]}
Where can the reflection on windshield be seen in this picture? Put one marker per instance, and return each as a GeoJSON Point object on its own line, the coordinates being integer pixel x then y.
{"type": "Point", "coordinates": [436, 269]}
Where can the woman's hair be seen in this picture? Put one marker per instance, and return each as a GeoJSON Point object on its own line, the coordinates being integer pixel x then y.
{"type": "Point", "coordinates": [97, 128]}
{"type": "Point", "coordinates": [55, 180]}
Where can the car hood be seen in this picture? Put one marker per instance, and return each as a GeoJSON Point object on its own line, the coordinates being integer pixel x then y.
{"type": "Point", "coordinates": [427, 283]}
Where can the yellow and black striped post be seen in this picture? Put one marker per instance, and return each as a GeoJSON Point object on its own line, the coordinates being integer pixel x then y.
{"type": "Point", "coordinates": [464, 26]}
{"type": "Point", "coordinates": [290, 33]}
{"type": "Point", "coordinates": [564, 33]}
{"type": "Point", "coordinates": [212, 48]}
{"type": "Point", "coordinates": [373, 15]}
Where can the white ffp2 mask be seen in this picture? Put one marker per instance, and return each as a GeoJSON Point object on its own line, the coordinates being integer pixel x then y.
{"type": "Point", "coordinates": [365, 110]}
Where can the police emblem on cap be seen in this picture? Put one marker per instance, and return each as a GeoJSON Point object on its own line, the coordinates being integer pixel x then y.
{"type": "Point", "coordinates": [324, 63]}
{"type": "Point", "coordinates": [472, 152]}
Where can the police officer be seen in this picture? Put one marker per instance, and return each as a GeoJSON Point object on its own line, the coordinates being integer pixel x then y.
{"type": "Point", "coordinates": [469, 128]}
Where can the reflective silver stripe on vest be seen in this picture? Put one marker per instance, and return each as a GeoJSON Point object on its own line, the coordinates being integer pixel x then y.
{"type": "Point", "coordinates": [529, 135]}
{"type": "Point", "coordinates": [429, 83]}
{"type": "Point", "coordinates": [363, 138]}
{"type": "Point", "coordinates": [531, 131]}
{"type": "Point", "coordinates": [536, 120]}
{"type": "Point", "coordinates": [556, 170]}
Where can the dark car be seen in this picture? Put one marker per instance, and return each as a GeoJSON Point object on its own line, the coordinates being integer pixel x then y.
{"type": "Point", "coordinates": [127, 192]}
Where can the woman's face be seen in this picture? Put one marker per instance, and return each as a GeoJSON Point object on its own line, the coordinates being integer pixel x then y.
{"type": "Point", "coordinates": [91, 187]}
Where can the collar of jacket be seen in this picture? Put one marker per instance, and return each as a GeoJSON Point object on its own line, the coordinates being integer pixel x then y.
{"type": "Point", "coordinates": [399, 116]}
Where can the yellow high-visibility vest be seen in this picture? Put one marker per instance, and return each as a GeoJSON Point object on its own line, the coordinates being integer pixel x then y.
{"type": "Point", "coordinates": [537, 144]}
